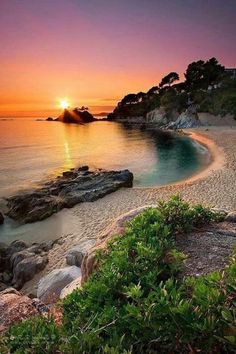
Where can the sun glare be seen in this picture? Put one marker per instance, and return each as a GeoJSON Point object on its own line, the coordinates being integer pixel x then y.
{"type": "Point", "coordinates": [64, 104]}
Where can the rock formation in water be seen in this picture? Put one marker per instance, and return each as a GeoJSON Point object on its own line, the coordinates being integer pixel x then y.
{"type": "Point", "coordinates": [75, 186]}
{"type": "Point", "coordinates": [78, 116]}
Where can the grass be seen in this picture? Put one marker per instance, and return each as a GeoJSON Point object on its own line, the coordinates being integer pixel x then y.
{"type": "Point", "coordinates": [136, 302]}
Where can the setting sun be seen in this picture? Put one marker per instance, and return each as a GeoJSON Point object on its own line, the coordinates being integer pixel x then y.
{"type": "Point", "coordinates": [64, 104]}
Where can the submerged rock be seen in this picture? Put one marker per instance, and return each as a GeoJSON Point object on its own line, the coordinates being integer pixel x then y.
{"type": "Point", "coordinates": [73, 187]}
{"type": "Point", "coordinates": [50, 286]}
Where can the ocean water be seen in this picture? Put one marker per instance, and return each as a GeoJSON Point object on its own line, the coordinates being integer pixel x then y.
{"type": "Point", "coordinates": [33, 151]}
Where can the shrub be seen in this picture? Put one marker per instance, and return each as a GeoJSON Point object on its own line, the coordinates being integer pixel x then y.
{"type": "Point", "coordinates": [136, 302]}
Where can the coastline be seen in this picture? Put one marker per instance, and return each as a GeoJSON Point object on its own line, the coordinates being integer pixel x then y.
{"type": "Point", "coordinates": [213, 186]}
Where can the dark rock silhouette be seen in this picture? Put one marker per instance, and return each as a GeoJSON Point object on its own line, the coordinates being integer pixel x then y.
{"type": "Point", "coordinates": [77, 116]}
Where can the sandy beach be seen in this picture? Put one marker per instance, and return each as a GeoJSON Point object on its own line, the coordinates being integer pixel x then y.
{"type": "Point", "coordinates": [214, 186]}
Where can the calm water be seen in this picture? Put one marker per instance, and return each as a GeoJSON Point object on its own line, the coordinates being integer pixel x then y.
{"type": "Point", "coordinates": [31, 151]}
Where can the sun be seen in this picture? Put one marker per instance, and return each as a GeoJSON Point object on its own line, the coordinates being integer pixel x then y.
{"type": "Point", "coordinates": [64, 104]}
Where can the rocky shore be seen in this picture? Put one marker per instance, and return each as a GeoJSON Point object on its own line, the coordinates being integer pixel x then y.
{"type": "Point", "coordinates": [74, 186]}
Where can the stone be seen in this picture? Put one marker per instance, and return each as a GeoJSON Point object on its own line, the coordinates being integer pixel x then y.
{"type": "Point", "coordinates": [1, 218]}
{"type": "Point", "coordinates": [231, 217]}
{"type": "Point", "coordinates": [16, 246]}
{"type": "Point", "coordinates": [50, 286]}
{"type": "Point", "coordinates": [27, 268]}
{"type": "Point", "coordinates": [14, 307]}
{"type": "Point", "coordinates": [66, 191]}
{"type": "Point", "coordinates": [68, 289]}
{"type": "Point", "coordinates": [75, 256]}
{"type": "Point", "coordinates": [19, 256]}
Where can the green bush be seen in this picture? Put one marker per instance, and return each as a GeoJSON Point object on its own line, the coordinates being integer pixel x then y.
{"type": "Point", "coordinates": [137, 302]}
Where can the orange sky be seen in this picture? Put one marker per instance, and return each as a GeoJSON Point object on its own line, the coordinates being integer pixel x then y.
{"type": "Point", "coordinates": [93, 52]}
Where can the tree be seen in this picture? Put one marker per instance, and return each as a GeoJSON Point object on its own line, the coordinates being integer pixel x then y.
{"type": "Point", "coordinates": [154, 90]}
{"type": "Point", "coordinates": [169, 79]}
{"type": "Point", "coordinates": [200, 74]}
{"type": "Point", "coordinates": [129, 99]}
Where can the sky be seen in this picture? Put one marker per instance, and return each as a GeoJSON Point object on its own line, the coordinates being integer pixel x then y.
{"type": "Point", "coordinates": [93, 52]}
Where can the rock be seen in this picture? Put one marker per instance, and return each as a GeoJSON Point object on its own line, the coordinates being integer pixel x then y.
{"type": "Point", "coordinates": [27, 268]}
{"type": "Point", "coordinates": [157, 116]}
{"type": "Point", "coordinates": [231, 217]}
{"type": "Point", "coordinates": [50, 119]}
{"type": "Point", "coordinates": [187, 119]}
{"type": "Point", "coordinates": [116, 228]}
{"type": "Point", "coordinates": [1, 218]}
{"type": "Point", "coordinates": [76, 186]}
{"type": "Point", "coordinates": [19, 256]}
{"type": "Point", "coordinates": [77, 116]}
{"type": "Point", "coordinates": [68, 289]}
{"type": "Point", "coordinates": [16, 246]}
{"type": "Point", "coordinates": [83, 168]}
{"type": "Point", "coordinates": [50, 286]}
{"type": "Point", "coordinates": [75, 256]}
{"type": "Point", "coordinates": [14, 307]}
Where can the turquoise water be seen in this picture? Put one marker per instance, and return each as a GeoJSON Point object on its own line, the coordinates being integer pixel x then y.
{"type": "Point", "coordinates": [32, 151]}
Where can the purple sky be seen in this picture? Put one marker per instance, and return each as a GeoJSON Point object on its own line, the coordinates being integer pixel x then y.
{"type": "Point", "coordinates": [93, 52]}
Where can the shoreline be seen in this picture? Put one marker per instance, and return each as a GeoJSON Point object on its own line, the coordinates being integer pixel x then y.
{"type": "Point", "coordinates": [214, 186]}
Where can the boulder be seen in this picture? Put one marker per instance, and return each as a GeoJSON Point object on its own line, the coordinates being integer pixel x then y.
{"type": "Point", "coordinates": [50, 286]}
{"type": "Point", "coordinates": [19, 256]}
{"type": "Point", "coordinates": [27, 268]}
{"type": "Point", "coordinates": [116, 228]}
{"type": "Point", "coordinates": [231, 217]}
{"type": "Point", "coordinates": [68, 289]}
{"type": "Point", "coordinates": [75, 256]}
{"type": "Point", "coordinates": [14, 307]}
{"type": "Point", "coordinates": [1, 218]}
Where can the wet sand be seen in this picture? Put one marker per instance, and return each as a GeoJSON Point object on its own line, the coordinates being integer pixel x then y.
{"type": "Point", "coordinates": [215, 186]}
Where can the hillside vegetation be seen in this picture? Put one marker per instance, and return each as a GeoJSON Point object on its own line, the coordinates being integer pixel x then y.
{"type": "Point", "coordinates": [137, 300]}
{"type": "Point", "coordinates": [207, 85]}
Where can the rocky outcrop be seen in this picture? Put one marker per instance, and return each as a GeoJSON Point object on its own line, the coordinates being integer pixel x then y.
{"type": "Point", "coordinates": [50, 286]}
{"type": "Point", "coordinates": [157, 116]}
{"type": "Point", "coordinates": [117, 228]}
{"type": "Point", "coordinates": [14, 307]}
{"type": "Point", "coordinates": [1, 218]}
{"type": "Point", "coordinates": [73, 187]}
{"type": "Point", "coordinates": [77, 116]}
{"type": "Point", "coordinates": [187, 119]}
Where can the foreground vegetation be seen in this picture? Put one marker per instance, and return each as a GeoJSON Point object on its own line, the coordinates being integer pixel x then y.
{"type": "Point", "coordinates": [137, 301]}
{"type": "Point", "coordinates": [207, 86]}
